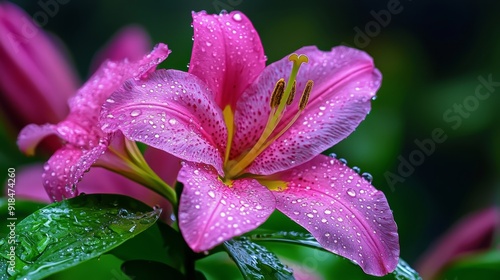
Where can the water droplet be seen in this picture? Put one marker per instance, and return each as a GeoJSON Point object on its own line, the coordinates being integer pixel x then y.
{"type": "Point", "coordinates": [211, 194]}
{"type": "Point", "coordinates": [333, 155]}
{"type": "Point", "coordinates": [208, 44]}
{"type": "Point", "coordinates": [367, 176]}
{"type": "Point", "coordinates": [237, 17]}
{"type": "Point", "coordinates": [135, 113]}
{"type": "Point", "coordinates": [356, 169]}
{"type": "Point", "coordinates": [172, 121]}
{"type": "Point", "coordinates": [351, 192]}
{"type": "Point", "coordinates": [343, 161]}
{"type": "Point", "coordinates": [123, 212]}
{"type": "Point", "coordinates": [374, 97]}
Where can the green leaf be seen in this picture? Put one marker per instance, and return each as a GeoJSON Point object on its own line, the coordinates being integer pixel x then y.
{"type": "Point", "coordinates": [405, 272]}
{"type": "Point", "coordinates": [402, 271]}
{"type": "Point", "coordinates": [160, 243]}
{"type": "Point", "coordinates": [70, 232]}
{"type": "Point", "coordinates": [23, 208]}
{"type": "Point", "coordinates": [483, 265]}
{"type": "Point", "coordinates": [298, 238]}
{"type": "Point", "coordinates": [255, 261]}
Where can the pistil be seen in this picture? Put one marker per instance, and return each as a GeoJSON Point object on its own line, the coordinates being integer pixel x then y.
{"type": "Point", "coordinates": [281, 97]}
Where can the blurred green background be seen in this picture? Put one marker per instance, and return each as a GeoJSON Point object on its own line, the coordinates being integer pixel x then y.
{"type": "Point", "coordinates": [430, 54]}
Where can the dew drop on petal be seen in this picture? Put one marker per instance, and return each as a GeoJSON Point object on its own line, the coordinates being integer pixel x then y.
{"type": "Point", "coordinates": [135, 113]}
{"type": "Point", "coordinates": [211, 194]}
{"type": "Point", "coordinates": [367, 176]}
{"type": "Point", "coordinates": [237, 17]}
{"type": "Point", "coordinates": [351, 192]}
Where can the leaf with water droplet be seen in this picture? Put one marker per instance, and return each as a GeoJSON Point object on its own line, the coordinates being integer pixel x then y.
{"type": "Point", "coordinates": [49, 240]}
{"type": "Point", "coordinates": [402, 272]}
{"type": "Point", "coordinates": [255, 261]}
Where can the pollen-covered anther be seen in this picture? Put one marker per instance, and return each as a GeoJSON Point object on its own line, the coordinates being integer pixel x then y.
{"type": "Point", "coordinates": [305, 95]}
{"type": "Point", "coordinates": [281, 97]}
{"type": "Point", "coordinates": [292, 93]}
{"type": "Point", "coordinates": [277, 93]}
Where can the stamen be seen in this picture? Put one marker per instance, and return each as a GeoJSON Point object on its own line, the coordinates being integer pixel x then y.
{"type": "Point", "coordinates": [302, 105]}
{"type": "Point", "coordinates": [305, 95]}
{"type": "Point", "coordinates": [277, 93]}
{"type": "Point", "coordinates": [280, 98]}
{"type": "Point", "coordinates": [292, 93]}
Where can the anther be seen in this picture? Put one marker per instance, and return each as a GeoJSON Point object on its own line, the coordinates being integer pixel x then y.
{"type": "Point", "coordinates": [292, 93]}
{"type": "Point", "coordinates": [277, 93]}
{"type": "Point", "coordinates": [305, 95]}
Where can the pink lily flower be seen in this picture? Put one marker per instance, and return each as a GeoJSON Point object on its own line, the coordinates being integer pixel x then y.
{"type": "Point", "coordinates": [250, 147]}
{"type": "Point", "coordinates": [35, 79]}
{"type": "Point", "coordinates": [85, 145]}
{"type": "Point", "coordinates": [472, 234]}
{"type": "Point", "coordinates": [36, 83]}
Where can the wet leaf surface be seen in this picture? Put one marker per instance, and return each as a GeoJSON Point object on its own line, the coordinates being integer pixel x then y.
{"type": "Point", "coordinates": [70, 232]}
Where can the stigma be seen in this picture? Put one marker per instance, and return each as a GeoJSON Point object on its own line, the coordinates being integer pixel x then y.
{"type": "Point", "coordinates": [282, 96]}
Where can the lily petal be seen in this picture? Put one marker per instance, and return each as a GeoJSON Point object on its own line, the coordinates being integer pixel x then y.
{"type": "Point", "coordinates": [227, 54]}
{"type": "Point", "coordinates": [344, 212]}
{"type": "Point", "coordinates": [65, 169]}
{"type": "Point", "coordinates": [211, 212]}
{"type": "Point", "coordinates": [35, 78]}
{"type": "Point", "coordinates": [471, 234]}
{"type": "Point", "coordinates": [344, 79]}
{"type": "Point", "coordinates": [31, 136]}
{"type": "Point", "coordinates": [171, 111]}
{"type": "Point", "coordinates": [80, 126]}
{"type": "Point", "coordinates": [29, 182]}
{"type": "Point", "coordinates": [108, 78]}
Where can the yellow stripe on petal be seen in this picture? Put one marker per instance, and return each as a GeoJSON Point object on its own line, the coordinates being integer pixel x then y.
{"type": "Point", "coordinates": [274, 185]}
{"type": "Point", "coordinates": [229, 120]}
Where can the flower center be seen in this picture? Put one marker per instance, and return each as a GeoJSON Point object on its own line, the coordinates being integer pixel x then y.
{"type": "Point", "coordinates": [281, 97]}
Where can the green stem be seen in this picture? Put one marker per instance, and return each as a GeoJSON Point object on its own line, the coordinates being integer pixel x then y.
{"type": "Point", "coordinates": [137, 169]}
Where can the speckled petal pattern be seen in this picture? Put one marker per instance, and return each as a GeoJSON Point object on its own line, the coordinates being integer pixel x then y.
{"type": "Point", "coordinates": [84, 141]}
{"type": "Point", "coordinates": [343, 211]}
{"type": "Point", "coordinates": [227, 54]}
{"type": "Point", "coordinates": [171, 111]}
{"type": "Point", "coordinates": [211, 212]}
{"type": "Point", "coordinates": [344, 79]}
{"type": "Point", "coordinates": [65, 169]}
